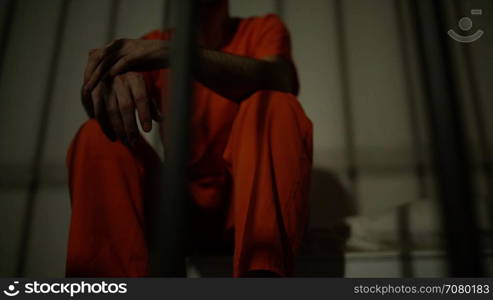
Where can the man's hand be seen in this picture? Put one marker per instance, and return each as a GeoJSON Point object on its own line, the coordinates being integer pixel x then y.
{"type": "Point", "coordinates": [113, 104]}
{"type": "Point", "coordinates": [122, 56]}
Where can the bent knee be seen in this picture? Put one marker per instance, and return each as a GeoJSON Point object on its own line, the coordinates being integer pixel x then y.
{"type": "Point", "coordinates": [91, 133]}
{"type": "Point", "coordinates": [275, 96]}
{"type": "Point", "coordinates": [91, 140]}
{"type": "Point", "coordinates": [269, 99]}
{"type": "Point", "coordinates": [92, 143]}
{"type": "Point", "coordinates": [276, 104]}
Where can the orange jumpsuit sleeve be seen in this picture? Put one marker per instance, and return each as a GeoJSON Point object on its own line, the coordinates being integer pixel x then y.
{"type": "Point", "coordinates": [273, 39]}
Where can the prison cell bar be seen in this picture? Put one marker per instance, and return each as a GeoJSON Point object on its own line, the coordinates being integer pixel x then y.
{"type": "Point", "coordinates": [169, 237]}
{"type": "Point", "coordinates": [403, 224]}
{"type": "Point", "coordinates": [405, 48]}
{"type": "Point", "coordinates": [279, 7]}
{"type": "Point", "coordinates": [41, 138]}
{"type": "Point", "coordinates": [451, 160]}
{"type": "Point", "coordinates": [165, 21]}
{"type": "Point", "coordinates": [347, 105]}
{"type": "Point", "coordinates": [482, 130]}
{"type": "Point", "coordinates": [6, 32]}
{"type": "Point", "coordinates": [165, 25]}
{"type": "Point", "coordinates": [112, 20]}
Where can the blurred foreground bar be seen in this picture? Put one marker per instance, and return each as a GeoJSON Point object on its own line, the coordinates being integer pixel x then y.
{"type": "Point", "coordinates": [41, 138]}
{"type": "Point", "coordinates": [452, 167]}
{"type": "Point", "coordinates": [170, 222]}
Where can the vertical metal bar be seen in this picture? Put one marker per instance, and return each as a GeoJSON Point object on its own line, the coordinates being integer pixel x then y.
{"type": "Point", "coordinates": [166, 15]}
{"type": "Point", "coordinates": [405, 242]}
{"type": "Point", "coordinates": [411, 98]}
{"type": "Point", "coordinates": [165, 26]}
{"type": "Point", "coordinates": [405, 237]}
{"type": "Point", "coordinates": [169, 237]}
{"type": "Point", "coordinates": [112, 20]}
{"type": "Point", "coordinates": [6, 32]}
{"type": "Point", "coordinates": [40, 143]}
{"type": "Point", "coordinates": [453, 175]}
{"type": "Point", "coordinates": [478, 110]}
{"type": "Point", "coordinates": [346, 99]}
{"type": "Point", "coordinates": [279, 7]}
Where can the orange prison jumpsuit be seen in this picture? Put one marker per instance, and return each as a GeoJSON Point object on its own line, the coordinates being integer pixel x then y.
{"type": "Point", "coordinates": [249, 175]}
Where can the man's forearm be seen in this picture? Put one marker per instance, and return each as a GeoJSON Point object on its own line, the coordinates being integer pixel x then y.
{"type": "Point", "coordinates": [236, 77]}
{"type": "Point", "coordinates": [233, 76]}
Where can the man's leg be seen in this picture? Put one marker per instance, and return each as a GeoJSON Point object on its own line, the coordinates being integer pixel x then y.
{"type": "Point", "coordinates": [270, 156]}
{"type": "Point", "coordinates": [108, 185]}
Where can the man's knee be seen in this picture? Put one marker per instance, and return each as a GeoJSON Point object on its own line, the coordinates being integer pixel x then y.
{"type": "Point", "coordinates": [90, 134]}
{"type": "Point", "coordinates": [274, 97]}
{"type": "Point", "coordinates": [271, 104]}
{"type": "Point", "coordinates": [91, 141]}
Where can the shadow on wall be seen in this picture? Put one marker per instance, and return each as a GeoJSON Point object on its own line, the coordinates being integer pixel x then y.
{"type": "Point", "coordinates": [323, 250]}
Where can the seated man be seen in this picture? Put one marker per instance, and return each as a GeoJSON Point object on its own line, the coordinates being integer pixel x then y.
{"type": "Point", "coordinates": [251, 148]}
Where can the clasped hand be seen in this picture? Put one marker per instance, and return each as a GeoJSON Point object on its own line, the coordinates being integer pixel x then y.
{"type": "Point", "coordinates": [114, 88]}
